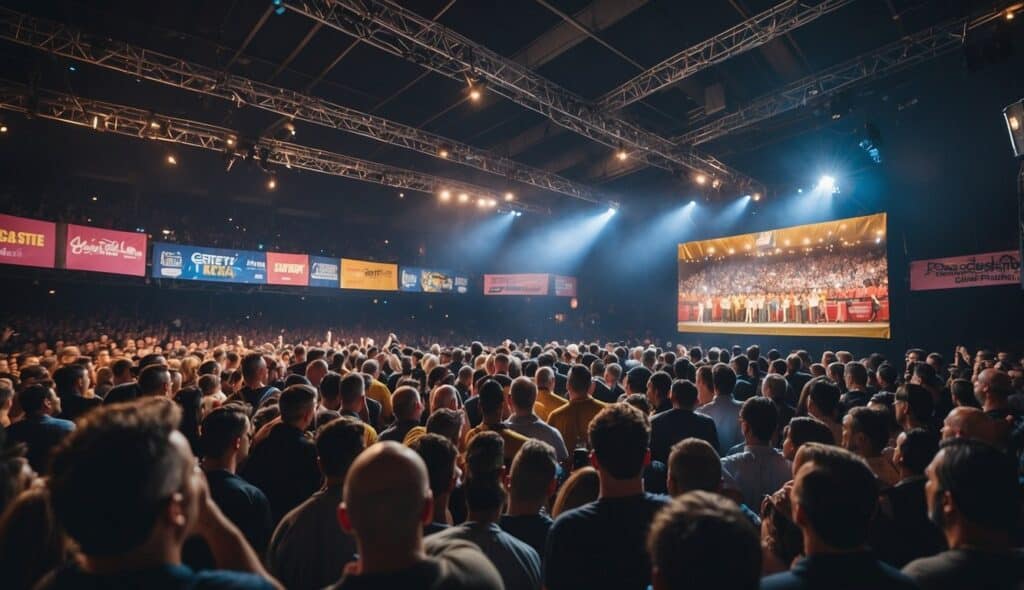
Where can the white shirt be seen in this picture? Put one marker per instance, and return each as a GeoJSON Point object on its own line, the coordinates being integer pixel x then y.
{"type": "Point", "coordinates": [757, 472]}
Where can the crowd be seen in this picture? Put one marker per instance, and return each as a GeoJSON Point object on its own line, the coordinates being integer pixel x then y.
{"type": "Point", "coordinates": [371, 463]}
{"type": "Point", "coordinates": [773, 289]}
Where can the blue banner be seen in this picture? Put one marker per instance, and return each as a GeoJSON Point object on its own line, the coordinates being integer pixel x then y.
{"type": "Point", "coordinates": [195, 263]}
{"type": "Point", "coordinates": [324, 272]}
{"type": "Point", "coordinates": [423, 280]}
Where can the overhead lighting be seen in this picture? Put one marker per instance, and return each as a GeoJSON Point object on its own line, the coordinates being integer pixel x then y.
{"type": "Point", "coordinates": [95, 121]}
{"type": "Point", "coordinates": [463, 198]}
{"type": "Point", "coordinates": [443, 153]}
{"type": "Point", "coordinates": [716, 183]}
{"type": "Point", "coordinates": [622, 154]}
{"type": "Point", "coordinates": [172, 160]}
{"type": "Point", "coordinates": [700, 179]}
{"type": "Point", "coordinates": [492, 203]}
{"type": "Point", "coordinates": [230, 141]}
{"type": "Point", "coordinates": [94, 199]}
{"type": "Point", "coordinates": [3, 128]}
{"type": "Point", "coordinates": [475, 94]}
{"type": "Point", "coordinates": [290, 128]}
{"type": "Point", "coordinates": [1009, 15]}
{"type": "Point", "coordinates": [827, 184]}
{"type": "Point", "coordinates": [757, 196]}
{"type": "Point", "coordinates": [510, 196]}
{"type": "Point", "coordinates": [272, 183]}
{"type": "Point", "coordinates": [481, 202]}
{"type": "Point", "coordinates": [445, 195]}
{"type": "Point", "coordinates": [401, 195]}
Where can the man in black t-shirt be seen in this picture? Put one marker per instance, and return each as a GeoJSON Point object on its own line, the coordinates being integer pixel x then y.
{"type": "Point", "coordinates": [531, 483]}
{"type": "Point", "coordinates": [387, 501]}
{"type": "Point", "coordinates": [973, 496]}
{"type": "Point", "coordinates": [72, 381]}
{"type": "Point", "coordinates": [254, 381]}
{"type": "Point", "coordinates": [601, 544]}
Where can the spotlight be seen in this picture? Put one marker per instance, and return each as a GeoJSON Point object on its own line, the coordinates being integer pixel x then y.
{"type": "Point", "coordinates": [1009, 15]}
{"type": "Point", "coordinates": [272, 183]}
{"type": "Point", "coordinates": [492, 203]}
{"type": "Point", "coordinates": [1014, 115]}
{"type": "Point", "coordinates": [442, 153]}
{"type": "Point", "coordinates": [622, 154]}
{"type": "Point", "coordinates": [230, 141]}
{"type": "Point", "coordinates": [800, 191]}
{"type": "Point", "coordinates": [172, 160]}
{"type": "Point", "coordinates": [475, 93]}
{"type": "Point", "coordinates": [3, 128]}
{"type": "Point", "coordinates": [716, 183]}
{"type": "Point", "coordinates": [481, 202]}
{"type": "Point", "coordinates": [95, 121]}
{"type": "Point", "coordinates": [290, 128]}
{"type": "Point", "coordinates": [700, 179]}
{"type": "Point", "coordinates": [446, 195]}
{"type": "Point", "coordinates": [757, 196]}
{"type": "Point", "coordinates": [509, 196]}
{"type": "Point", "coordinates": [828, 184]}
{"type": "Point", "coordinates": [463, 198]}
{"type": "Point", "coordinates": [612, 210]}
{"type": "Point", "coordinates": [401, 195]}
{"type": "Point", "coordinates": [94, 199]}
{"type": "Point", "coordinates": [692, 203]}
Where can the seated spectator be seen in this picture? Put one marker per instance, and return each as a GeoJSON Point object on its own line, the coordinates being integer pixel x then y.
{"type": "Point", "coordinates": [866, 433]}
{"type": "Point", "coordinates": [387, 502]}
{"type": "Point", "coordinates": [580, 552]}
{"type": "Point", "coordinates": [39, 431]}
{"type": "Point", "coordinates": [283, 465]}
{"type": "Point", "coordinates": [408, 408]}
{"type": "Point", "coordinates": [702, 541]}
{"type": "Point", "coordinates": [525, 421]}
{"type": "Point", "coordinates": [517, 562]}
{"type": "Point", "coordinates": [834, 498]}
{"type": "Point", "coordinates": [974, 497]}
{"type": "Point", "coordinates": [572, 419]}
{"type": "Point", "coordinates": [672, 426]}
{"type": "Point", "coordinates": [759, 469]}
{"type": "Point", "coordinates": [438, 454]}
{"type": "Point", "coordinates": [531, 484]}
{"type": "Point", "coordinates": [723, 409]}
{"type": "Point", "coordinates": [308, 549]}
{"type": "Point", "coordinates": [582, 487]}
{"type": "Point", "coordinates": [125, 489]}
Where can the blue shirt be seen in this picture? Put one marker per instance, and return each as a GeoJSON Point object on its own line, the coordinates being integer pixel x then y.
{"type": "Point", "coordinates": [839, 571]}
{"type": "Point", "coordinates": [517, 562]}
{"type": "Point", "coordinates": [725, 411]}
{"type": "Point", "coordinates": [40, 434]}
{"type": "Point", "coordinates": [164, 577]}
{"type": "Point", "coordinates": [757, 472]}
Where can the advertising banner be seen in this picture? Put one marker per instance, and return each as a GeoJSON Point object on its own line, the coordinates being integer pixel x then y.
{"type": "Point", "coordinates": [324, 272]}
{"type": "Point", "coordinates": [287, 269]}
{"type": "Point", "coordinates": [462, 285]}
{"type": "Point", "coordinates": [423, 280]}
{"type": "Point", "coordinates": [176, 261]}
{"type": "Point", "coordinates": [977, 270]}
{"type": "Point", "coordinates": [565, 286]}
{"type": "Point", "coordinates": [523, 284]}
{"type": "Point", "coordinates": [369, 276]}
{"type": "Point", "coordinates": [105, 250]}
{"type": "Point", "coordinates": [27, 242]}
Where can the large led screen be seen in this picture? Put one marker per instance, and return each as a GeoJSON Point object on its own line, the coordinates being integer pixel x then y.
{"type": "Point", "coordinates": [177, 261]}
{"type": "Point", "coordinates": [105, 250]}
{"type": "Point", "coordinates": [821, 279]}
{"type": "Point", "coordinates": [27, 242]}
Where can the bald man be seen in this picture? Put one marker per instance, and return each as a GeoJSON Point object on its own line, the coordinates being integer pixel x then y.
{"type": "Point", "coordinates": [444, 396]}
{"type": "Point", "coordinates": [967, 422]}
{"type": "Point", "coordinates": [386, 502]}
{"type": "Point", "coordinates": [993, 388]}
{"type": "Point", "coordinates": [547, 401]}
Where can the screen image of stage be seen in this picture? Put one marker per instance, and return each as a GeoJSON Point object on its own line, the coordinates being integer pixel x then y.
{"type": "Point", "coordinates": [820, 279]}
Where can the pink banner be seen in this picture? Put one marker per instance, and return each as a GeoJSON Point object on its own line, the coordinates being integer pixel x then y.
{"type": "Point", "coordinates": [105, 250]}
{"type": "Point", "coordinates": [27, 242]}
{"type": "Point", "coordinates": [565, 286]}
{"type": "Point", "coordinates": [978, 270]}
{"type": "Point", "coordinates": [527, 284]}
{"type": "Point", "coordinates": [287, 269]}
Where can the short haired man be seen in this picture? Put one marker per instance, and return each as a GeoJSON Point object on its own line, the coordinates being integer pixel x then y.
{"type": "Point", "coordinates": [774, 387]}
{"type": "Point", "coordinates": [672, 426]}
{"type": "Point", "coordinates": [284, 464]}
{"type": "Point", "coordinates": [531, 483]}
{"type": "Point", "coordinates": [795, 376]}
{"type": "Point", "coordinates": [39, 430]}
{"type": "Point", "coordinates": [126, 489]}
{"type": "Point", "coordinates": [723, 409]}
{"type": "Point", "coordinates": [525, 421]}
{"type": "Point", "coordinates": [377, 391]}
{"type": "Point", "coordinates": [694, 465]}
{"type": "Point", "coordinates": [823, 403]}
{"type": "Point", "coordinates": [968, 422]}
{"type": "Point", "coordinates": [438, 454]}
{"type": "Point", "coordinates": [866, 433]}
{"type": "Point", "coordinates": [612, 377]}
{"type": "Point", "coordinates": [914, 407]}
{"type": "Point", "coordinates": [408, 408]}
{"type": "Point", "coordinates": [582, 551]}
{"type": "Point", "coordinates": [658, 387]}
{"type": "Point", "coordinates": [974, 497]}
{"type": "Point", "coordinates": [802, 430]}
{"type": "Point", "coordinates": [834, 498]}
{"type": "Point", "coordinates": [72, 382]}
{"type": "Point", "coordinates": [254, 380]}
{"type": "Point", "coordinates": [759, 469]}
{"type": "Point", "coordinates": [573, 418]}
{"type": "Point", "coordinates": [703, 541]}
{"type": "Point", "coordinates": [308, 548]}
{"type": "Point", "coordinates": [492, 402]}
{"type": "Point", "coordinates": [857, 393]}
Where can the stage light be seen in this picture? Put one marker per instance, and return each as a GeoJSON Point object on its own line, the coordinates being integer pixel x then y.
{"type": "Point", "coordinates": [230, 141]}
{"type": "Point", "coordinates": [481, 202]}
{"type": "Point", "coordinates": [474, 93]}
{"type": "Point", "coordinates": [612, 210]}
{"type": "Point", "coordinates": [272, 183]}
{"type": "Point", "coordinates": [401, 195]}
{"type": "Point", "coordinates": [1014, 115]}
{"type": "Point", "coordinates": [700, 179]}
{"type": "Point", "coordinates": [165, 232]}
{"type": "Point", "coordinates": [716, 183]}
{"type": "Point", "coordinates": [786, 242]}
{"type": "Point", "coordinates": [692, 203]}
{"type": "Point", "coordinates": [807, 241]}
{"type": "Point", "coordinates": [443, 153]}
{"type": "Point", "coordinates": [827, 184]}
{"type": "Point", "coordinates": [290, 128]}
{"type": "Point", "coordinates": [732, 250]}
{"type": "Point", "coordinates": [1009, 14]}
{"type": "Point", "coordinates": [172, 160]}
{"type": "Point", "coordinates": [72, 68]}
{"type": "Point", "coordinates": [52, 292]}
{"type": "Point", "coordinates": [621, 154]}
{"type": "Point", "coordinates": [746, 247]}
{"type": "Point", "coordinates": [510, 196]}
{"type": "Point", "coordinates": [3, 128]}
{"type": "Point", "coordinates": [463, 198]}
{"type": "Point", "coordinates": [711, 249]}
{"type": "Point", "coordinates": [757, 196]}
{"type": "Point", "coordinates": [95, 121]}
{"type": "Point", "coordinates": [445, 195]}
{"type": "Point", "coordinates": [94, 199]}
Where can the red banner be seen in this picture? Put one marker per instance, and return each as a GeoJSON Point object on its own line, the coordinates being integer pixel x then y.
{"type": "Point", "coordinates": [527, 284]}
{"type": "Point", "coordinates": [105, 250]}
{"type": "Point", "coordinates": [287, 269]}
{"type": "Point", "coordinates": [27, 242]}
{"type": "Point", "coordinates": [977, 270]}
{"type": "Point", "coordinates": [565, 286]}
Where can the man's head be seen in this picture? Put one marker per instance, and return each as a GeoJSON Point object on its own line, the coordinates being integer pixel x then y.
{"type": "Point", "coordinates": [254, 369]}
{"type": "Point", "coordinates": [485, 468]}
{"type": "Point", "coordinates": [71, 380]}
{"type": "Point", "coordinates": [438, 454]}
{"type": "Point", "coordinates": [913, 405]}
{"type": "Point", "coordinates": [39, 400]}
{"type": "Point", "coordinates": [371, 368]}
{"type": "Point", "coordinates": [865, 432]}
{"type": "Point", "coordinates": [993, 387]}
{"type": "Point", "coordinates": [407, 404]}
{"type": "Point", "coordinates": [658, 387]}
{"type": "Point", "coordinates": [532, 476]}
{"type": "Point", "coordinates": [724, 379]}
{"type": "Point", "coordinates": [298, 405]}
{"type": "Point", "coordinates": [703, 541]}
{"type": "Point", "coordinates": [774, 387]}
{"type": "Point", "coordinates": [802, 430]}
{"type": "Point", "coordinates": [523, 395]}
{"type": "Point", "coordinates": [856, 376]}
{"type": "Point", "coordinates": [823, 400]}
{"type": "Point", "coordinates": [620, 437]}
{"type": "Point", "coordinates": [683, 394]}
{"type": "Point", "coordinates": [492, 400]}
{"type": "Point", "coordinates": [973, 487]}
{"type": "Point", "coordinates": [126, 481]}
{"type": "Point", "coordinates": [330, 391]}
{"type": "Point", "coordinates": [122, 369]}
{"type": "Point", "coordinates": [579, 382]}
{"type": "Point", "coordinates": [636, 380]}
{"type": "Point", "coordinates": [155, 380]}
{"type": "Point", "coordinates": [353, 392]}
{"type": "Point", "coordinates": [915, 449]}
{"type": "Point", "coordinates": [967, 422]}
{"type": "Point", "coordinates": [315, 371]}
{"type": "Point", "coordinates": [834, 497]}
{"type": "Point", "coordinates": [758, 420]}
{"type": "Point", "coordinates": [386, 500]}
{"type": "Point", "coordinates": [338, 443]}
{"type": "Point", "coordinates": [545, 378]}
{"type": "Point", "coordinates": [887, 376]}
{"type": "Point", "coordinates": [694, 465]}
{"type": "Point", "coordinates": [225, 433]}
{"type": "Point", "coordinates": [444, 396]}
{"type": "Point", "coordinates": [447, 423]}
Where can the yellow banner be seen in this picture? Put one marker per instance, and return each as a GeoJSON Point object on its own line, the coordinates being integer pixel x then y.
{"type": "Point", "coordinates": [369, 276]}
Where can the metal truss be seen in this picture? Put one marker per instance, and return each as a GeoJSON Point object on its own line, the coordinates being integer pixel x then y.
{"type": "Point", "coordinates": [749, 34]}
{"type": "Point", "coordinates": [905, 53]}
{"type": "Point", "coordinates": [139, 123]}
{"type": "Point", "coordinates": [403, 33]}
{"type": "Point", "coordinates": [142, 63]}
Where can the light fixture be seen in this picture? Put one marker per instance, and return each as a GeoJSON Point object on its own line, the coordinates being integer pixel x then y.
{"type": "Point", "coordinates": [700, 178]}
{"type": "Point", "coordinates": [401, 195]}
{"type": "Point", "coordinates": [272, 182]}
{"type": "Point", "coordinates": [481, 202]}
{"type": "Point", "coordinates": [445, 195]}
{"type": "Point", "coordinates": [492, 202]}
{"type": "Point", "coordinates": [94, 199]}
{"type": "Point", "coordinates": [443, 153]}
{"type": "Point", "coordinates": [463, 198]}
{"type": "Point", "coordinates": [757, 196]}
{"type": "Point", "coordinates": [828, 184]}
{"type": "Point", "coordinates": [475, 93]}
{"type": "Point", "coordinates": [230, 141]}
{"type": "Point", "coordinates": [3, 128]}
{"type": "Point", "coordinates": [1014, 115]}
{"type": "Point", "coordinates": [622, 154]}
{"type": "Point", "coordinates": [715, 183]}
{"type": "Point", "coordinates": [95, 121]}
{"type": "Point", "coordinates": [172, 160]}
{"type": "Point", "coordinates": [1009, 14]}
{"type": "Point", "coordinates": [509, 196]}
{"type": "Point", "coordinates": [290, 128]}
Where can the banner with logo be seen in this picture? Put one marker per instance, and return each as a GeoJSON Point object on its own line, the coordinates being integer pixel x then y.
{"type": "Point", "coordinates": [287, 269]}
{"type": "Point", "coordinates": [368, 276]}
{"type": "Point", "coordinates": [565, 286]}
{"type": "Point", "coordinates": [324, 272]}
{"type": "Point", "coordinates": [523, 284]}
{"type": "Point", "coordinates": [425, 280]}
{"type": "Point", "coordinates": [105, 250]}
{"type": "Point", "coordinates": [175, 261]}
{"type": "Point", "coordinates": [978, 270]}
{"type": "Point", "coordinates": [27, 242]}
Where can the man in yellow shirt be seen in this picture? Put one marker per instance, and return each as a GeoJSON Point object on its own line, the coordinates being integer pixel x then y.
{"type": "Point", "coordinates": [492, 400]}
{"type": "Point", "coordinates": [547, 401]}
{"type": "Point", "coordinates": [573, 419]}
{"type": "Point", "coordinates": [378, 391]}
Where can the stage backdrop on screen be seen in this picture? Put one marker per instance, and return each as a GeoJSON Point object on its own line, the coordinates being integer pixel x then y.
{"type": "Point", "coordinates": [821, 279]}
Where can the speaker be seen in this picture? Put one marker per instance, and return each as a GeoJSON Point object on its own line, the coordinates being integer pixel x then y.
{"type": "Point", "coordinates": [1014, 115]}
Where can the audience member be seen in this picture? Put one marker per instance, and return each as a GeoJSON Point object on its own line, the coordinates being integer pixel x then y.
{"type": "Point", "coordinates": [531, 484]}
{"type": "Point", "coordinates": [758, 469]}
{"type": "Point", "coordinates": [680, 422]}
{"type": "Point", "coordinates": [723, 409]}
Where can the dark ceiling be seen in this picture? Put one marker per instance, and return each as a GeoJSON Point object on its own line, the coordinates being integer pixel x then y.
{"type": "Point", "coordinates": [247, 38]}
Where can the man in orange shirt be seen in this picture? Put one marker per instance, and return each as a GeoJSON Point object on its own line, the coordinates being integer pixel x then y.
{"type": "Point", "coordinates": [547, 401]}
{"type": "Point", "coordinates": [573, 419]}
